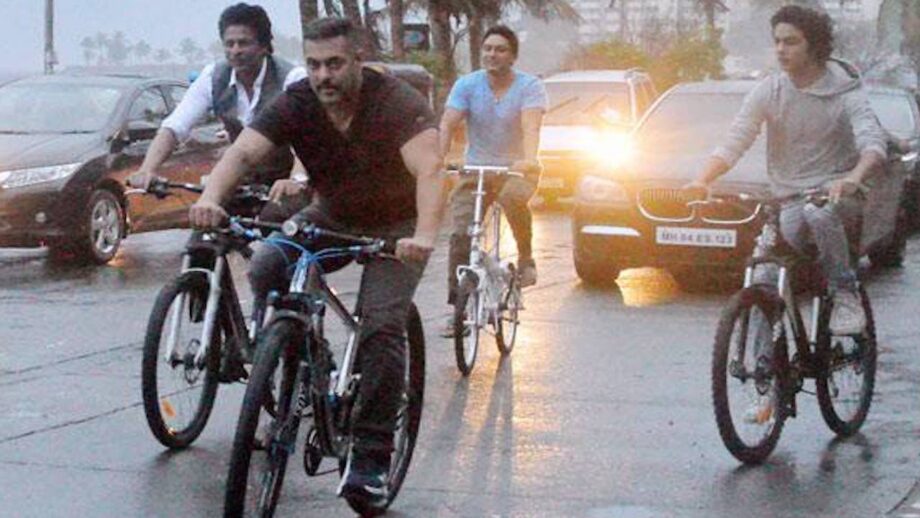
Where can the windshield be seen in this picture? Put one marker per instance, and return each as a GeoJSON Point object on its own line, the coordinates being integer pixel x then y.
{"type": "Point", "coordinates": [686, 127]}
{"type": "Point", "coordinates": [894, 113]}
{"type": "Point", "coordinates": [577, 104]}
{"type": "Point", "coordinates": [55, 108]}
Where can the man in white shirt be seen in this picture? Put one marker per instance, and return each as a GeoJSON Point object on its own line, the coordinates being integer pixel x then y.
{"type": "Point", "coordinates": [236, 90]}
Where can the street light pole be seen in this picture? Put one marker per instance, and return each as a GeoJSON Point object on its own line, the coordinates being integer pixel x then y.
{"type": "Point", "coordinates": [50, 58]}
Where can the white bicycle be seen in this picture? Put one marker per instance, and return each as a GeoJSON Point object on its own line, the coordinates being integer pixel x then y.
{"type": "Point", "coordinates": [489, 289]}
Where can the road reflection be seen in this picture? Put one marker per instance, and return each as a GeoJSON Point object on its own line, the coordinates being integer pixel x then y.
{"type": "Point", "coordinates": [643, 287]}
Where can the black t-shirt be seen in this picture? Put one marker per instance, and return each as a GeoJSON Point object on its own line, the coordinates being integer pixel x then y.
{"type": "Point", "coordinates": [360, 176]}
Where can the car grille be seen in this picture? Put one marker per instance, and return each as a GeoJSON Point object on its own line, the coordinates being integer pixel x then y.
{"type": "Point", "coordinates": [665, 203]}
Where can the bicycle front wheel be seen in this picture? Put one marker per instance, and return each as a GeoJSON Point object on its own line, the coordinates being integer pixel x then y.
{"type": "Point", "coordinates": [272, 397]}
{"type": "Point", "coordinates": [506, 323]}
{"type": "Point", "coordinates": [177, 391]}
{"type": "Point", "coordinates": [409, 415]}
{"type": "Point", "coordinates": [466, 329]}
{"type": "Point", "coordinates": [747, 367]}
{"type": "Point", "coordinates": [846, 379]}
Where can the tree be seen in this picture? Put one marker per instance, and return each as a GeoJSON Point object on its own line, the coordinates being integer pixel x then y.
{"type": "Point", "coordinates": [102, 45]}
{"type": "Point", "coordinates": [190, 51]}
{"type": "Point", "coordinates": [397, 34]}
{"type": "Point", "coordinates": [142, 51]}
{"type": "Point", "coordinates": [309, 11]}
{"type": "Point", "coordinates": [118, 49]}
{"type": "Point", "coordinates": [162, 56]}
{"type": "Point", "coordinates": [89, 49]}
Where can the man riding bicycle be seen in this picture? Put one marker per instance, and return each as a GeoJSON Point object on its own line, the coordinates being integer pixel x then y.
{"type": "Point", "coordinates": [821, 134]}
{"type": "Point", "coordinates": [369, 141]}
{"type": "Point", "coordinates": [503, 109]}
{"type": "Point", "coordinates": [236, 90]}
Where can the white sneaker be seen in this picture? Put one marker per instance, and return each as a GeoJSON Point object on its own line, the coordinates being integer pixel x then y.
{"type": "Point", "coordinates": [760, 411]}
{"type": "Point", "coordinates": [847, 316]}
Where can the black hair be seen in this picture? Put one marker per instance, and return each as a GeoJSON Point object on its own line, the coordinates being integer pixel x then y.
{"type": "Point", "coordinates": [334, 27]}
{"type": "Point", "coordinates": [252, 16]}
{"type": "Point", "coordinates": [817, 28]}
{"type": "Point", "coordinates": [505, 32]}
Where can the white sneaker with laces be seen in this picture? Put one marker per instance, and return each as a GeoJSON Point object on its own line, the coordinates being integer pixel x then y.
{"type": "Point", "coordinates": [847, 316]}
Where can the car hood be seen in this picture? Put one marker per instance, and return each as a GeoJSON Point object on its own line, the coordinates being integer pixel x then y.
{"type": "Point", "coordinates": [37, 150]}
{"type": "Point", "coordinates": [565, 138]}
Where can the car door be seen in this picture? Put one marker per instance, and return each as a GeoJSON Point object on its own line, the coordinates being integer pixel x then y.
{"type": "Point", "coordinates": [144, 116]}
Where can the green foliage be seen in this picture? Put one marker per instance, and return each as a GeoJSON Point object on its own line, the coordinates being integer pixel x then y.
{"type": "Point", "coordinates": [685, 58]}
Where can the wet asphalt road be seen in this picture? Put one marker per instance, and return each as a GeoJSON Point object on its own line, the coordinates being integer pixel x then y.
{"type": "Point", "coordinates": [603, 410]}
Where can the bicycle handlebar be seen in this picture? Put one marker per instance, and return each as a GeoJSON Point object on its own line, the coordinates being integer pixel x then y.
{"type": "Point", "coordinates": [482, 169]}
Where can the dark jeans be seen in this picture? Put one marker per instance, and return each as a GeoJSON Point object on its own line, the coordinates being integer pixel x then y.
{"type": "Point", "coordinates": [513, 194]}
{"type": "Point", "coordinates": [387, 288]}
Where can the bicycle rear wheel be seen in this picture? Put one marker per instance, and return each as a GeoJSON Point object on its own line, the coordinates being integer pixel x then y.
{"type": "Point", "coordinates": [466, 328]}
{"type": "Point", "coordinates": [177, 392]}
{"type": "Point", "coordinates": [507, 322]}
{"type": "Point", "coordinates": [747, 363]}
{"type": "Point", "coordinates": [846, 379]}
{"type": "Point", "coordinates": [274, 390]}
{"type": "Point", "coordinates": [409, 415]}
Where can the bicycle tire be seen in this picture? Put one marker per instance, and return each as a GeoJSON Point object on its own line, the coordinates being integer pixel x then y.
{"type": "Point", "coordinates": [156, 404]}
{"type": "Point", "coordinates": [411, 412]}
{"type": "Point", "coordinates": [277, 349]}
{"type": "Point", "coordinates": [507, 320]}
{"type": "Point", "coordinates": [768, 304]}
{"type": "Point", "coordinates": [466, 334]}
{"type": "Point", "coordinates": [867, 354]}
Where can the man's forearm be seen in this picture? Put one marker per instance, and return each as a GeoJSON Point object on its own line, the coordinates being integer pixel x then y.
{"type": "Point", "coordinates": [163, 145]}
{"type": "Point", "coordinates": [431, 196]}
{"type": "Point", "coordinates": [870, 162]}
{"type": "Point", "coordinates": [445, 137]}
{"type": "Point", "coordinates": [715, 168]}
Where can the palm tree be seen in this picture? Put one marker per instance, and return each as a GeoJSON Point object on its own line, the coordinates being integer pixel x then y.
{"type": "Point", "coordinates": [142, 50]}
{"type": "Point", "coordinates": [89, 49]}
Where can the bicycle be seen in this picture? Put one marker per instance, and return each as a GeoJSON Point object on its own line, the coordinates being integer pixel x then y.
{"type": "Point", "coordinates": [196, 334]}
{"type": "Point", "coordinates": [489, 290]}
{"type": "Point", "coordinates": [751, 364]}
{"type": "Point", "coordinates": [295, 377]}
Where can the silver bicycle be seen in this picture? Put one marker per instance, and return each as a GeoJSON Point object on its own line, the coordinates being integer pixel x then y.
{"type": "Point", "coordinates": [489, 289]}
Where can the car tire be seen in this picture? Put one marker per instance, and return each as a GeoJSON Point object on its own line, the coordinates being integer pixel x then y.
{"type": "Point", "coordinates": [100, 232]}
{"type": "Point", "coordinates": [596, 274]}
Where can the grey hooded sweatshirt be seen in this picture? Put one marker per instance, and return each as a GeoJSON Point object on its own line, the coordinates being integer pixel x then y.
{"type": "Point", "coordinates": [814, 134]}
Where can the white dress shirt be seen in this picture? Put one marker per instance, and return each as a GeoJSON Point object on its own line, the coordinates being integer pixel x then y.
{"type": "Point", "coordinates": [198, 99]}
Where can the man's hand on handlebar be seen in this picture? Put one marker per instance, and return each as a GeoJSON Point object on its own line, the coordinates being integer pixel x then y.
{"type": "Point", "coordinates": [843, 187]}
{"type": "Point", "coordinates": [415, 248]}
{"type": "Point", "coordinates": [526, 167]}
{"type": "Point", "coordinates": [206, 215]}
{"type": "Point", "coordinates": [141, 179]}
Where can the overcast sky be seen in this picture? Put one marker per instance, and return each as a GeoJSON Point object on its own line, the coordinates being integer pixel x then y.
{"type": "Point", "coordinates": [162, 23]}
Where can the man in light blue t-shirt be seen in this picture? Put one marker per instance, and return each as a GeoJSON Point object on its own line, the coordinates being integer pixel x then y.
{"type": "Point", "coordinates": [503, 110]}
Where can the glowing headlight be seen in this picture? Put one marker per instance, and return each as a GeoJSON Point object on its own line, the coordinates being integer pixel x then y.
{"type": "Point", "coordinates": [24, 177]}
{"type": "Point", "coordinates": [594, 189]}
{"type": "Point", "coordinates": [612, 148]}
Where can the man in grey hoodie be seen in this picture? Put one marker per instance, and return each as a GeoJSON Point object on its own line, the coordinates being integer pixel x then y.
{"type": "Point", "coordinates": [821, 133]}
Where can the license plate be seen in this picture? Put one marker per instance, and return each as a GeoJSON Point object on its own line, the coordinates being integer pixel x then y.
{"type": "Point", "coordinates": [705, 237]}
{"type": "Point", "coordinates": [552, 183]}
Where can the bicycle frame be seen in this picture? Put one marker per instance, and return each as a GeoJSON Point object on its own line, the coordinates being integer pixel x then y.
{"type": "Point", "coordinates": [220, 284]}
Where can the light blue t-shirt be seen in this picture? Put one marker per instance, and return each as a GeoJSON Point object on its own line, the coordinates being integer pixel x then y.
{"type": "Point", "coordinates": [494, 134]}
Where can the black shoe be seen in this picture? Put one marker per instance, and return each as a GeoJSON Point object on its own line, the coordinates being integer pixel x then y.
{"type": "Point", "coordinates": [365, 479]}
{"type": "Point", "coordinates": [231, 366]}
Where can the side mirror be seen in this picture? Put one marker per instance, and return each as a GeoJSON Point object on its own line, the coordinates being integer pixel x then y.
{"type": "Point", "coordinates": [141, 130]}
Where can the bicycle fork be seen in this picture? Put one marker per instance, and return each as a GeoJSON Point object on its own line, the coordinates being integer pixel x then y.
{"type": "Point", "coordinates": [210, 313]}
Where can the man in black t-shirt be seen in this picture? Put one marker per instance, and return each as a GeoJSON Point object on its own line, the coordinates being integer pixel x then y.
{"type": "Point", "coordinates": [370, 144]}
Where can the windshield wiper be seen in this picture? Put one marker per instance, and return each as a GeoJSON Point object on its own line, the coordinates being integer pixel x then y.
{"type": "Point", "coordinates": [14, 132]}
{"type": "Point", "coordinates": [566, 102]}
{"type": "Point", "coordinates": [75, 132]}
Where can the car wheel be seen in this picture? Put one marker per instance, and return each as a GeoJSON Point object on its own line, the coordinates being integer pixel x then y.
{"type": "Point", "coordinates": [595, 273]}
{"type": "Point", "coordinates": [101, 231]}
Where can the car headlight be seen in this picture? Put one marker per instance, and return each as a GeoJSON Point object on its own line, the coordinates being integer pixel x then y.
{"type": "Point", "coordinates": [611, 148]}
{"type": "Point", "coordinates": [31, 176]}
{"type": "Point", "coordinates": [593, 189]}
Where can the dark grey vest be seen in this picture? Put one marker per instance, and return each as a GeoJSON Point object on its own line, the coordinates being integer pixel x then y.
{"type": "Point", "coordinates": [278, 164]}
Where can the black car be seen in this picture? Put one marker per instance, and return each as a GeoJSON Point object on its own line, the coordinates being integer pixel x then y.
{"type": "Point", "coordinates": [636, 214]}
{"type": "Point", "coordinates": [67, 143]}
